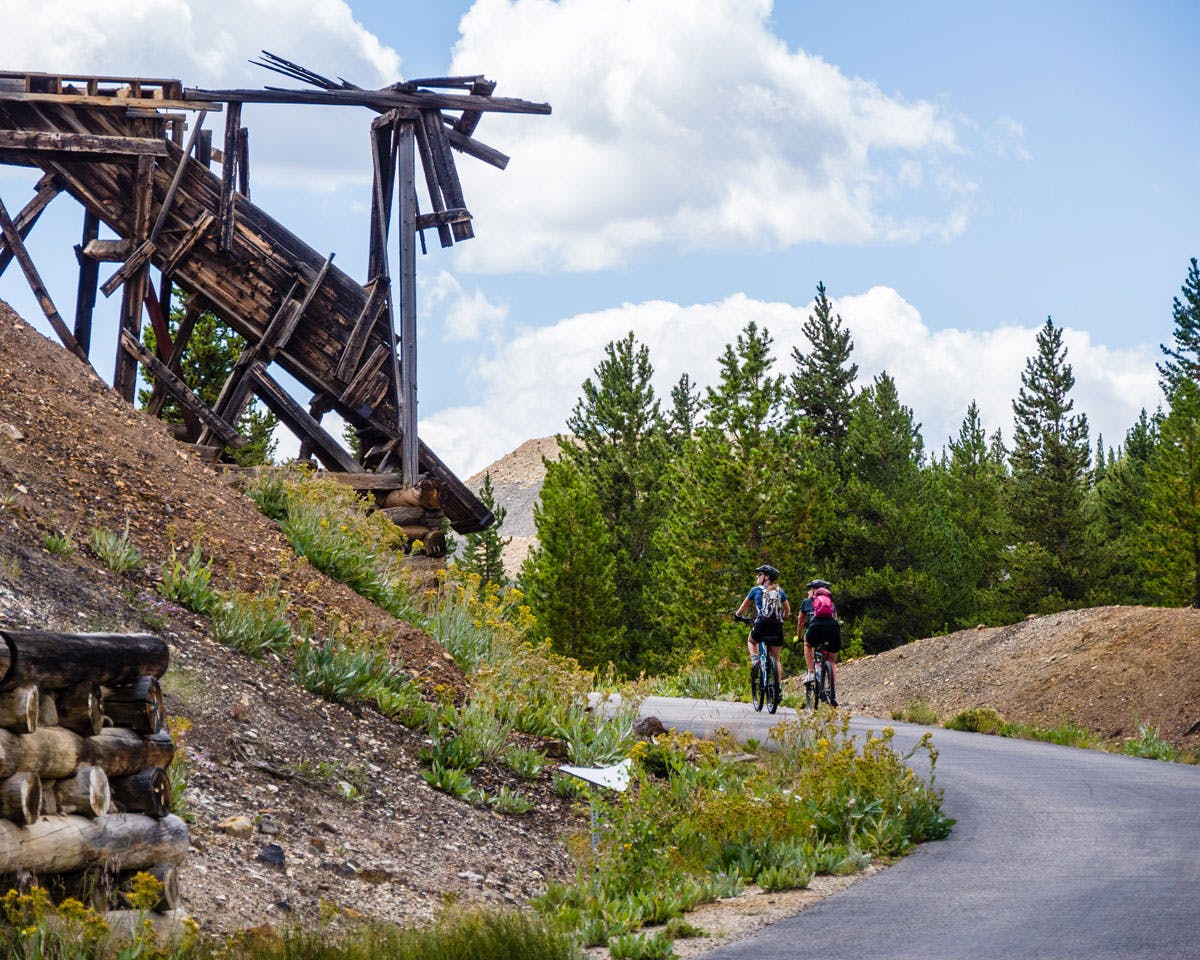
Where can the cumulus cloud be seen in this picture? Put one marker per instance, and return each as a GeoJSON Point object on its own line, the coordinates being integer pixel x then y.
{"type": "Point", "coordinates": [455, 314]}
{"type": "Point", "coordinates": [527, 387]}
{"type": "Point", "coordinates": [688, 125]}
{"type": "Point", "coordinates": [209, 43]}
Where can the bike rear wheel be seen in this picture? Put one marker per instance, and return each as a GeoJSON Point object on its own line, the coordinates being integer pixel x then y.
{"type": "Point", "coordinates": [773, 693]}
{"type": "Point", "coordinates": [758, 690]}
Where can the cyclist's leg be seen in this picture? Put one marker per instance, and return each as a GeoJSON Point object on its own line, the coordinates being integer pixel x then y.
{"type": "Point", "coordinates": [774, 652]}
{"type": "Point", "coordinates": [751, 646]}
{"type": "Point", "coordinates": [808, 656]}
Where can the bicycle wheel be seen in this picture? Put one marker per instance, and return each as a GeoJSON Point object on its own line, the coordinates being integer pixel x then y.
{"type": "Point", "coordinates": [810, 692]}
{"type": "Point", "coordinates": [829, 686]}
{"type": "Point", "coordinates": [758, 691]}
{"type": "Point", "coordinates": [773, 693]}
{"type": "Point", "coordinates": [820, 678]}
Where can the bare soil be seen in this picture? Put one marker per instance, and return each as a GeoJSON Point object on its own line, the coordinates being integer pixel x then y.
{"type": "Point", "coordinates": [74, 457]}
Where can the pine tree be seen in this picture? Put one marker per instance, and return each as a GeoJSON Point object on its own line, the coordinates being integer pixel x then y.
{"type": "Point", "coordinates": [686, 407]}
{"type": "Point", "coordinates": [1172, 517]}
{"type": "Point", "coordinates": [619, 447]}
{"type": "Point", "coordinates": [1049, 465]}
{"type": "Point", "coordinates": [569, 576]}
{"type": "Point", "coordinates": [1183, 361]}
{"type": "Point", "coordinates": [742, 492]}
{"type": "Point", "coordinates": [483, 552]}
{"type": "Point", "coordinates": [211, 352]}
{"type": "Point", "coordinates": [822, 385]}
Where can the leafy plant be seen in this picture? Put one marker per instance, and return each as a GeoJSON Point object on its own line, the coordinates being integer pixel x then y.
{"type": "Point", "coordinates": [918, 711]}
{"type": "Point", "coordinates": [117, 551]}
{"type": "Point", "coordinates": [641, 946]}
{"type": "Point", "coordinates": [1149, 744]}
{"type": "Point", "coordinates": [340, 671]}
{"type": "Point", "coordinates": [510, 801]}
{"type": "Point", "coordinates": [189, 583]}
{"type": "Point", "coordinates": [253, 624]}
{"type": "Point", "coordinates": [449, 780]}
{"type": "Point", "coordinates": [525, 762]}
{"type": "Point", "coordinates": [58, 543]}
{"type": "Point", "coordinates": [977, 720]}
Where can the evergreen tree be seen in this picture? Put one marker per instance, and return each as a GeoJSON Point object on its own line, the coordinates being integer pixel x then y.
{"type": "Point", "coordinates": [822, 385]}
{"type": "Point", "coordinates": [569, 576]}
{"type": "Point", "coordinates": [975, 477]}
{"type": "Point", "coordinates": [619, 447]}
{"type": "Point", "coordinates": [742, 492]}
{"type": "Point", "coordinates": [211, 352]}
{"type": "Point", "coordinates": [483, 552]}
{"type": "Point", "coordinates": [888, 524]}
{"type": "Point", "coordinates": [1183, 360]}
{"type": "Point", "coordinates": [686, 407]}
{"type": "Point", "coordinates": [1049, 465]}
{"type": "Point", "coordinates": [1172, 517]}
{"type": "Point", "coordinates": [1117, 514]}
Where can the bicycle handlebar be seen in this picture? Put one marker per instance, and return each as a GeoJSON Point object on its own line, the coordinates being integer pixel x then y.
{"type": "Point", "coordinates": [740, 619]}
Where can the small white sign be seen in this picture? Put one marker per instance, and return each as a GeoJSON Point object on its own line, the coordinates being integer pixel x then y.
{"type": "Point", "coordinates": [615, 777]}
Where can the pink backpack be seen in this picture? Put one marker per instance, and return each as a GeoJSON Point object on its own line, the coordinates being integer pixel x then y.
{"type": "Point", "coordinates": [823, 606]}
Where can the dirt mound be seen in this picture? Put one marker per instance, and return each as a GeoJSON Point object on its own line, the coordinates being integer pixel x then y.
{"type": "Point", "coordinates": [517, 484]}
{"type": "Point", "coordinates": [1106, 669]}
{"type": "Point", "coordinates": [337, 791]}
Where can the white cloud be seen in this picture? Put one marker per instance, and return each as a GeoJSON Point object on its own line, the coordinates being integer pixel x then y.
{"type": "Point", "coordinates": [455, 314]}
{"type": "Point", "coordinates": [688, 125]}
{"type": "Point", "coordinates": [209, 43]}
{"type": "Point", "coordinates": [529, 385]}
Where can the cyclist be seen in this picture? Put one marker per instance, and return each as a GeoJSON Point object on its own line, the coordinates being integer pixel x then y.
{"type": "Point", "coordinates": [771, 609]}
{"type": "Point", "coordinates": [818, 626]}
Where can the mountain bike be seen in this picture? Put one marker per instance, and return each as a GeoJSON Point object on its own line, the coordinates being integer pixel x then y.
{"type": "Point", "coordinates": [819, 689]}
{"type": "Point", "coordinates": [765, 688]}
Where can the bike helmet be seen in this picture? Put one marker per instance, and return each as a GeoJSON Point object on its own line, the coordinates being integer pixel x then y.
{"type": "Point", "coordinates": [814, 584]}
{"type": "Point", "coordinates": [769, 570]}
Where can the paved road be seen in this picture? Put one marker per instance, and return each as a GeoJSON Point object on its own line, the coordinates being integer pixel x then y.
{"type": "Point", "coordinates": [1058, 854]}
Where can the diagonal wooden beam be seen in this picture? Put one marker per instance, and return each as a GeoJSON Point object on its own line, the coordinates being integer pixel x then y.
{"type": "Point", "coordinates": [47, 189]}
{"type": "Point", "coordinates": [17, 245]}
{"type": "Point", "coordinates": [191, 314]}
{"type": "Point", "coordinates": [301, 423]}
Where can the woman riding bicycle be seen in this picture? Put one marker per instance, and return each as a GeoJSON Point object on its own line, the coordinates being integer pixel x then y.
{"type": "Point", "coordinates": [818, 626]}
{"type": "Point", "coordinates": [771, 608]}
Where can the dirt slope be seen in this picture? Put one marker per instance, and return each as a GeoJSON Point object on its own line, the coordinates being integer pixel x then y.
{"type": "Point", "coordinates": [74, 457]}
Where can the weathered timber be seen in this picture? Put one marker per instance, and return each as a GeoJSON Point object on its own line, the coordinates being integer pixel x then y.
{"type": "Point", "coordinates": [147, 791]}
{"type": "Point", "coordinates": [47, 710]}
{"type": "Point", "coordinates": [79, 709]}
{"type": "Point", "coordinates": [57, 660]}
{"type": "Point", "coordinates": [76, 143]}
{"type": "Point", "coordinates": [21, 798]}
{"type": "Point", "coordinates": [426, 493]}
{"type": "Point", "coordinates": [183, 335]}
{"type": "Point", "coordinates": [385, 99]}
{"type": "Point", "coordinates": [64, 844]}
{"type": "Point", "coordinates": [17, 246]}
{"type": "Point", "coordinates": [122, 752]}
{"type": "Point", "coordinates": [86, 792]}
{"type": "Point", "coordinates": [20, 709]}
{"type": "Point", "coordinates": [375, 308]}
{"type": "Point", "coordinates": [89, 279]}
{"type": "Point", "coordinates": [134, 285]}
{"type": "Point", "coordinates": [112, 251]}
{"type": "Point", "coordinates": [190, 238]}
{"type": "Point", "coordinates": [165, 208]}
{"type": "Point", "coordinates": [407, 516]}
{"type": "Point", "coordinates": [233, 120]}
{"type": "Point", "coordinates": [167, 874]}
{"type": "Point", "coordinates": [138, 706]}
{"type": "Point", "coordinates": [433, 184]}
{"type": "Point", "coordinates": [187, 398]}
{"type": "Point", "coordinates": [170, 930]}
{"type": "Point", "coordinates": [327, 449]}
{"type": "Point", "coordinates": [47, 189]}
{"type": "Point", "coordinates": [138, 259]}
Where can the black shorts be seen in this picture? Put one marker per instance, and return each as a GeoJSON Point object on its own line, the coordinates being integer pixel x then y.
{"type": "Point", "coordinates": [769, 632]}
{"type": "Point", "coordinates": [824, 634]}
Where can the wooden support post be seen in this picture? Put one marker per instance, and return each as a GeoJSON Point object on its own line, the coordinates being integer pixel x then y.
{"type": "Point", "coordinates": [233, 125]}
{"type": "Point", "coordinates": [17, 246]}
{"type": "Point", "coordinates": [175, 180]}
{"type": "Point", "coordinates": [89, 278]}
{"type": "Point", "coordinates": [193, 235]}
{"type": "Point", "coordinates": [432, 184]}
{"type": "Point", "coordinates": [243, 162]}
{"type": "Point", "coordinates": [125, 367]}
{"type": "Point", "coordinates": [204, 148]}
{"type": "Point", "coordinates": [405, 378]}
{"type": "Point", "coordinates": [383, 159]}
{"type": "Point", "coordinates": [191, 314]}
{"type": "Point", "coordinates": [447, 175]}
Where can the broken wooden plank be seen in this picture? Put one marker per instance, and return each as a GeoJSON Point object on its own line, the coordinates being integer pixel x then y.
{"type": "Point", "coordinates": [469, 119]}
{"type": "Point", "coordinates": [233, 121]}
{"type": "Point", "coordinates": [17, 245]}
{"type": "Point", "coordinates": [89, 278]}
{"type": "Point", "coordinates": [107, 251]}
{"type": "Point", "coordinates": [432, 183]}
{"type": "Point", "coordinates": [194, 233]}
{"type": "Point", "coordinates": [356, 343]}
{"type": "Point", "coordinates": [182, 392]}
{"type": "Point", "coordinates": [478, 150]}
{"type": "Point", "coordinates": [136, 261]}
{"type": "Point", "coordinates": [298, 420]}
{"type": "Point", "coordinates": [447, 174]}
{"type": "Point", "coordinates": [180, 169]}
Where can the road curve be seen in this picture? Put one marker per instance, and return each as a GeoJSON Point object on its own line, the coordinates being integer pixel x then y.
{"type": "Point", "coordinates": [1058, 854]}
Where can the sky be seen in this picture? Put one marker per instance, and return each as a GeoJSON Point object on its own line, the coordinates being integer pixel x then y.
{"type": "Point", "coordinates": [954, 173]}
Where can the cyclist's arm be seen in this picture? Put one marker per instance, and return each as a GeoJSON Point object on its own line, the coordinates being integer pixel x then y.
{"type": "Point", "coordinates": [744, 608]}
{"type": "Point", "coordinates": [800, 624]}
{"type": "Point", "coordinates": [787, 609]}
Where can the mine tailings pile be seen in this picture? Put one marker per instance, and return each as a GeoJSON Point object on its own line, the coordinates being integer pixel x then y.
{"type": "Point", "coordinates": [84, 794]}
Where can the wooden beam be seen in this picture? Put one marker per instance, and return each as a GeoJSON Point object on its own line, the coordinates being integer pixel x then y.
{"type": "Point", "coordinates": [478, 150]}
{"type": "Point", "coordinates": [373, 309]}
{"type": "Point", "coordinates": [191, 314]}
{"type": "Point", "coordinates": [469, 119]}
{"type": "Point", "coordinates": [404, 370]}
{"type": "Point", "coordinates": [175, 180]}
{"type": "Point", "coordinates": [233, 121]}
{"type": "Point", "coordinates": [90, 145]}
{"type": "Point", "coordinates": [432, 182]}
{"type": "Point", "coordinates": [384, 99]}
{"type": "Point", "coordinates": [194, 233]}
{"type": "Point", "coordinates": [120, 103]}
{"type": "Point", "coordinates": [447, 175]}
{"type": "Point", "coordinates": [107, 251]}
{"type": "Point", "coordinates": [47, 189]}
{"type": "Point", "coordinates": [17, 245]}
{"type": "Point", "coordinates": [136, 261]}
{"type": "Point", "coordinates": [89, 277]}
{"type": "Point", "coordinates": [352, 396]}
{"type": "Point", "coordinates": [181, 392]}
{"type": "Point", "coordinates": [243, 162]}
{"type": "Point", "coordinates": [125, 366]}
{"type": "Point", "coordinates": [298, 420]}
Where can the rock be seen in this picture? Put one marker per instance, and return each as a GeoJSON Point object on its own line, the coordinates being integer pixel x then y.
{"type": "Point", "coordinates": [648, 728]}
{"type": "Point", "coordinates": [241, 827]}
{"type": "Point", "coordinates": [272, 855]}
{"type": "Point", "coordinates": [9, 432]}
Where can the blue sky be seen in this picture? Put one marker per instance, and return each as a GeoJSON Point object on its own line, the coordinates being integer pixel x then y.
{"type": "Point", "coordinates": [954, 173]}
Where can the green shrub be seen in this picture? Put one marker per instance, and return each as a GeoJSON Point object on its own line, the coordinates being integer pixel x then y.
{"type": "Point", "coordinates": [1149, 744]}
{"type": "Point", "coordinates": [60, 544]}
{"type": "Point", "coordinates": [525, 762]}
{"type": "Point", "coordinates": [451, 780]}
{"type": "Point", "coordinates": [190, 583]}
{"type": "Point", "coordinates": [117, 551]}
{"type": "Point", "coordinates": [340, 671]}
{"type": "Point", "coordinates": [641, 946]}
{"type": "Point", "coordinates": [977, 720]}
{"type": "Point", "coordinates": [251, 623]}
{"type": "Point", "coordinates": [917, 712]}
{"type": "Point", "coordinates": [510, 801]}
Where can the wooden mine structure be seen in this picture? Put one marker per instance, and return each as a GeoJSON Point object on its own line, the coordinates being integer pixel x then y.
{"type": "Point", "coordinates": [136, 154]}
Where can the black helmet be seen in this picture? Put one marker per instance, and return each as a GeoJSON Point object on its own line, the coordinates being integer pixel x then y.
{"type": "Point", "coordinates": [814, 584]}
{"type": "Point", "coordinates": [769, 570]}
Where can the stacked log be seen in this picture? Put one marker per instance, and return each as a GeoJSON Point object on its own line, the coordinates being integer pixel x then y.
{"type": "Point", "coordinates": [84, 793]}
{"type": "Point", "coordinates": [418, 512]}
